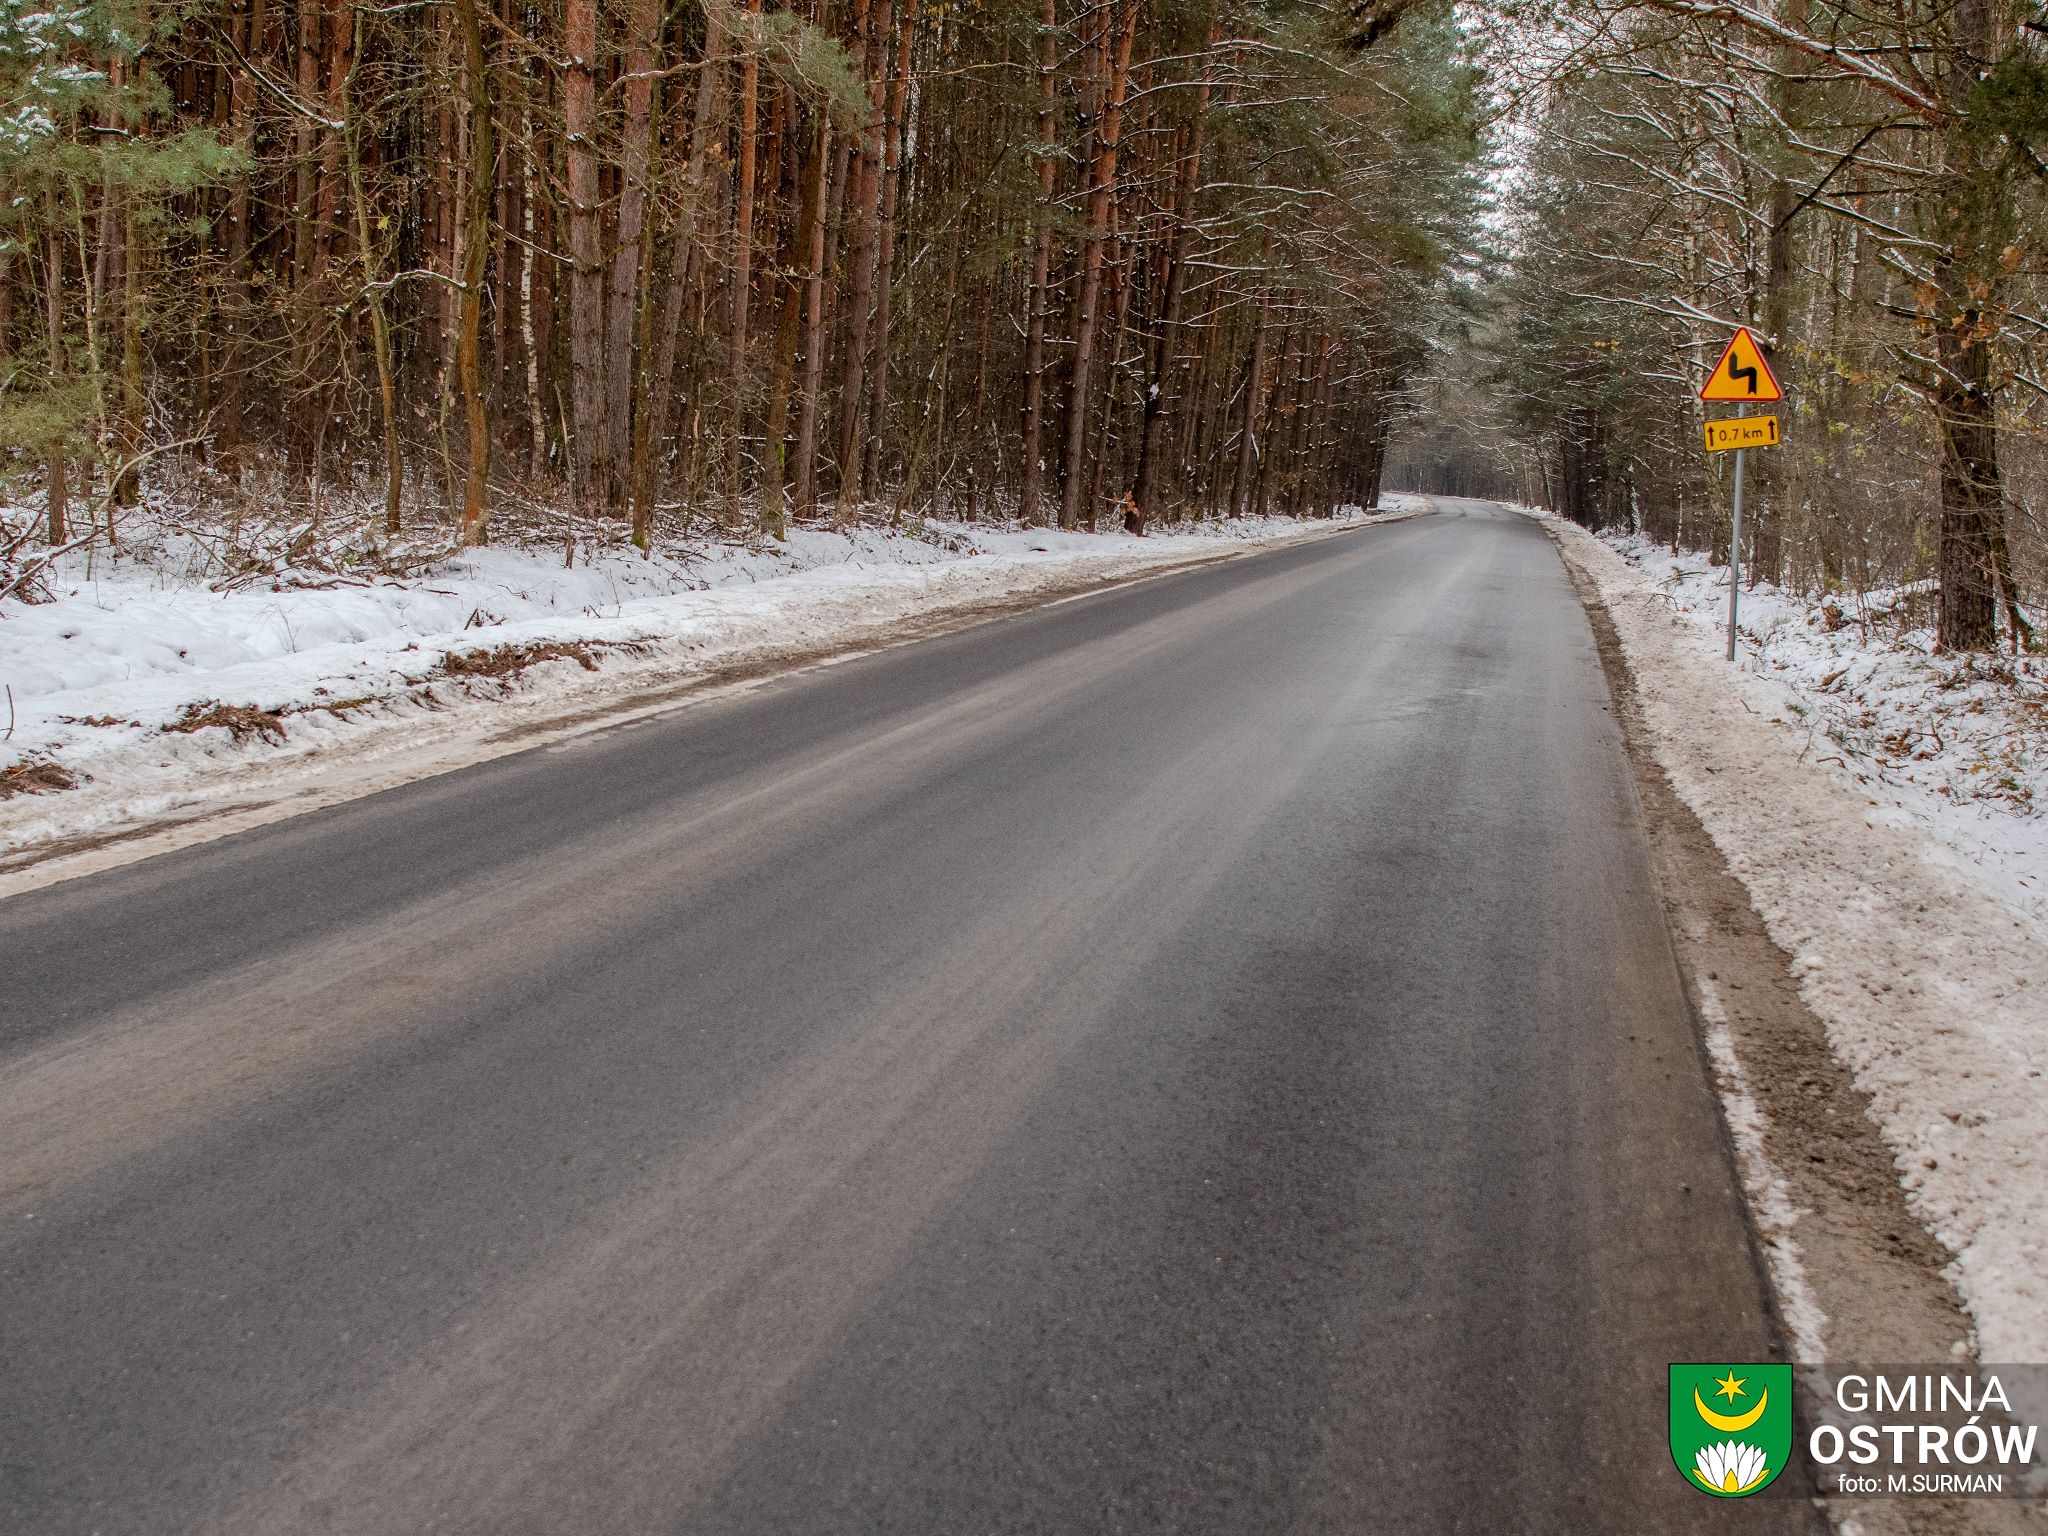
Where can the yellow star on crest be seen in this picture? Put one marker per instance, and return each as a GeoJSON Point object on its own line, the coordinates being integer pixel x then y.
{"type": "Point", "coordinates": [1729, 1386]}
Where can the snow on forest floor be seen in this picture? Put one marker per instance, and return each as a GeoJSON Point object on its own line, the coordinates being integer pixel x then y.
{"type": "Point", "coordinates": [1887, 809]}
{"type": "Point", "coordinates": [1957, 745]}
{"type": "Point", "coordinates": [143, 686]}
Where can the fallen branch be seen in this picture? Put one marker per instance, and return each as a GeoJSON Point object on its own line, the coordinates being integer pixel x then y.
{"type": "Point", "coordinates": [40, 563]}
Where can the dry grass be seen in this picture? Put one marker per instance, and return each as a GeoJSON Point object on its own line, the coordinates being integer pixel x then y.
{"type": "Point", "coordinates": [240, 720]}
{"type": "Point", "coordinates": [504, 660]}
{"type": "Point", "coordinates": [34, 778]}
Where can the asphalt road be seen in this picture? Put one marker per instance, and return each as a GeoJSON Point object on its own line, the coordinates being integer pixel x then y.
{"type": "Point", "coordinates": [1201, 1058]}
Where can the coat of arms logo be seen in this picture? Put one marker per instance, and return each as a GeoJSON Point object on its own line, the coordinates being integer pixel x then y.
{"type": "Point", "coordinates": [1731, 1425]}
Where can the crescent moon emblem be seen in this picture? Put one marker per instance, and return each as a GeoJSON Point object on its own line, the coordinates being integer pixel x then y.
{"type": "Point", "coordinates": [1731, 1425]}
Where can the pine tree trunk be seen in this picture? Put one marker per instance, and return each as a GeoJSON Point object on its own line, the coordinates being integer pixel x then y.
{"type": "Point", "coordinates": [58, 501]}
{"type": "Point", "coordinates": [127, 487]}
{"type": "Point", "coordinates": [1318, 500]}
{"type": "Point", "coordinates": [1970, 486]}
{"type": "Point", "coordinates": [341, 44]}
{"type": "Point", "coordinates": [374, 298]}
{"type": "Point", "coordinates": [629, 256]}
{"type": "Point", "coordinates": [817, 325]}
{"type": "Point", "coordinates": [1197, 445]}
{"type": "Point", "coordinates": [476, 236]}
{"type": "Point", "coordinates": [885, 261]}
{"type": "Point", "coordinates": [1039, 299]}
{"type": "Point", "coordinates": [586, 276]}
{"type": "Point", "coordinates": [873, 26]}
{"type": "Point", "coordinates": [306, 319]}
{"type": "Point", "coordinates": [650, 438]}
{"type": "Point", "coordinates": [1152, 434]}
{"type": "Point", "coordinates": [1254, 396]}
{"type": "Point", "coordinates": [306, 134]}
{"type": "Point", "coordinates": [510, 283]}
{"type": "Point", "coordinates": [239, 298]}
{"type": "Point", "coordinates": [934, 416]}
{"type": "Point", "coordinates": [1094, 240]}
{"type": "Point", "coordinates": [770, 517]}
{"type": "Point", "coordinates": [1964, 405]}
{"type": "Point", "coordinates": [1764, 508]}
{"type": "Point", "coordinates": [550, 424]}
{"type": "Point", "coordinates": [743, 262]}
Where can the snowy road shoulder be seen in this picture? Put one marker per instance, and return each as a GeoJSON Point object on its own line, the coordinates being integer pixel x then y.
{"type": "Point", "coordinates": [176, 711]}
{"type": "Point", "coordinates": [1910, 926]}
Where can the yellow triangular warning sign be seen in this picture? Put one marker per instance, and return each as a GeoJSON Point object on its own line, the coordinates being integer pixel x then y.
{"type": "Point", "coordinates": [1742, 373]}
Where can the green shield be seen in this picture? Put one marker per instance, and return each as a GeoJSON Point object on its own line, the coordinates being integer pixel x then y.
{"type": "Point", "coordinates": [1731, 1426]}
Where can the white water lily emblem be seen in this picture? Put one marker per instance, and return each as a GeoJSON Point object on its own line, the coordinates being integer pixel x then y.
{"type": "Point", "coordinates": [1730, 1466]}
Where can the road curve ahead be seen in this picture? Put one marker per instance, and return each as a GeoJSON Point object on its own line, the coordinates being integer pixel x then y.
{"type": "Point", "coordinates": [1203, 1058]}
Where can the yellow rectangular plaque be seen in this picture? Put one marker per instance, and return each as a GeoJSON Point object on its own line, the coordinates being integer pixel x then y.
{"type": "Point", "coordinates": [1742, 432]}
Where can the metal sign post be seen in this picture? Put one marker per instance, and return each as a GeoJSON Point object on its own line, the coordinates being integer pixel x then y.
{"type": "Point", "coordinates": [1741, 376]}
{"type": "Point", "coordinates": [1735, 550]}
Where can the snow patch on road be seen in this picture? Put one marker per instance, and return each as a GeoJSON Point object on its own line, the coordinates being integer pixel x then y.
{"type": "Point", "coordinates": [1915, 929]}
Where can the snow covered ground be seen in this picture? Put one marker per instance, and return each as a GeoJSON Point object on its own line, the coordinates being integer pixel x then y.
{"type": "Point", "coordinates": [152, 691]}
{"type": "Point", "coordinates": [1956, 745]}
{"type": "Point", "coordinates": [1887, 810]}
